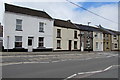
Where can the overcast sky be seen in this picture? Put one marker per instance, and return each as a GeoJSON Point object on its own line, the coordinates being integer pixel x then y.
{"type": "Point", "coordinates": [67, 11]}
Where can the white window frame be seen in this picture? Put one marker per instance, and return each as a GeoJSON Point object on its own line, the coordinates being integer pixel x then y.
{"type": "Point", "coordinates": [59, 44]}
{"type": "Point", "coordinates": [41, 26]}
{"type": "Point", "coordinates": [40, 42]}
{"type": "Point", "coordinates": [19, 24]}
{"type": "Point", "coordinates": [19, 41]}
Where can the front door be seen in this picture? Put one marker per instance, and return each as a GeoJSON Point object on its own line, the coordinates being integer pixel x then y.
{"type": "Point", "coordinates": [70, 41]}
{"type": "Point", "coordinates": [30, 44]}
{"type": "Point", "coordinates": [82, 46]}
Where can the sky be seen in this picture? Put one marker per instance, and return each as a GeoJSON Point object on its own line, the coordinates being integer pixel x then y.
{"type": "Point", "coordinates": [67, 11]}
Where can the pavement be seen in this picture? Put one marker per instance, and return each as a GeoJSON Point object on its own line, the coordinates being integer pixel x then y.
{"type": "Point", "coordinates": [65, 66]}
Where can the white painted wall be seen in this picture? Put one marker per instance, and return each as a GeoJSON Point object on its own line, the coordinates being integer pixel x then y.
{"type": "Point", "coordinates": [98, 39]}
{"type": "Point", "coordinates": [30, 27]}
{"type": "Point", "coordinates": [66, 35]}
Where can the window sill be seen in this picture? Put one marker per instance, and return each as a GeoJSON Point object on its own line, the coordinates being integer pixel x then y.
{"type": "Point", "coordinates": [75, 38]}
{"type": "Point", "coordinates": [18, 48]}
{"type": "Point", "coordinates": [41, 31]}
{"type": "Point", "coordinates": [58, 48]}
{"type": "Point", "coordinates": [58, 37]}
{"type": "Point", "coordinates": [75, 48]}
{"type": "Point", "coordinates": [18, 30]}
{"type": "Point", "coordinates": [40, 47]}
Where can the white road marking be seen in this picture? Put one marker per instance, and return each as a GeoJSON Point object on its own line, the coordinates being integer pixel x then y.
{"type": "Point", "coordinates": [108, 68]}
{"type": "Point", "coordinates": [92, 72]}
{"type": "Point", "coordinates": [55, 61]}
{"type": "Point", "coordinates": [4, 64]}
{"type": "Point", "coordinates": [70, 76]}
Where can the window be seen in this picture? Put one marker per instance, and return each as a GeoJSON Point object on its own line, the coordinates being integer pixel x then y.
{"type": "Point", "coordinates": [115, 37]}
{"type": "Point", "coordinates": [41, 27]}
{"type": "Point", "coordinates": [58, 33]}
{"type": "Point", "coordinates": [58, 44]}
{"type": "Point", "coordinates": [107, 35]}
{"type": "Point", "coordinates": [18, 24]}
{"type": "Point", "coordinates": [75, 44]}
{"type": "Point", "coordinates": [18, 41]}
{"type": "Point", "coordinates": [101, 35]}
{"type": "Point", "coordinates": [75, 34]}
{"type": "Point", "coordinates": [115, 45]}
{"type": "Point", "coordinates": [96, 45]}
{"type": "Point", "coordinates": [41, 42]}
{"type": "Point", "coordinates": [107, 45]}
{"type": "Point", "coordinates": [96, 35]}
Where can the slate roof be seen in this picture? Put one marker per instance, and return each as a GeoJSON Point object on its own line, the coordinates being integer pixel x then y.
{"type": "Point", "coordinates": [27, 11]}
{"type": "Point", "coordinates": [106, 31]}
{"type": "Point", "coordinates": [86, 27]}
{"type": "Point", "coordinates": [115, 32]}
{"type": "Point", "coordinates": [64, 24]}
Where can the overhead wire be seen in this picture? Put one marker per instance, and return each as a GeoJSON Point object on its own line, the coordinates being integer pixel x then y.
{"type": "Point", "coordinates": [92, 12]}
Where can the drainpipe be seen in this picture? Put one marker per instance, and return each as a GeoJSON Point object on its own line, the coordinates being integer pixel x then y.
{"type": "Point", "coordinates": [7, 43]}
{"type": "Point", "coordinates": [118, 43]}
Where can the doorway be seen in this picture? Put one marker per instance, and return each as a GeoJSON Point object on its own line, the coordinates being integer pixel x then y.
{"type": "Point", "coordinates": [82, 46]}
{"type": "Point", "coordinates": [70, 44]}
{"type": "Point", "coordinates": [30, 44]}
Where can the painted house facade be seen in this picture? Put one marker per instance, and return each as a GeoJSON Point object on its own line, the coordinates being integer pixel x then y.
{"type": "Point", "coordinates": [115, 41]}
{"type": "Point", "coordinates": [65, 36]}
{"type": "Point", "coordinates": [1, 37]}
{"type": "Point", "coordinates": [97, 41]}
{"type": "Point", "coordinates": [86, 37]}
{"type": "Point", "coordinates": [118, 41]}
{"type": "Point", "coordinates": [107, 38]}
{"type": "Point", "coordinates": [27, 29]}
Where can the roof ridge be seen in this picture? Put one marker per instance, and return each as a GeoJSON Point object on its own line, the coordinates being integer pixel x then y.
{"type": "Point", "coordinates": [26, 10]}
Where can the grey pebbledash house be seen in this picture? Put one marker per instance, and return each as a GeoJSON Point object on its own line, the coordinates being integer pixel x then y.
{"type": "Point", "coordinates": [91, 38]}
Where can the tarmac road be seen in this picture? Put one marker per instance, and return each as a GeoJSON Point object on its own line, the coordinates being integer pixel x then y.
{"type": "Point", "coordinates": [61, 69]}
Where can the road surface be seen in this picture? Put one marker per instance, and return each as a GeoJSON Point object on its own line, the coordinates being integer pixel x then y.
{"type": "Point", "coordinates": [64, 69]}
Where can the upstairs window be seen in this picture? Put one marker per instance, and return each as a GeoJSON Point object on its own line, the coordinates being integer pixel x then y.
{"type": "Point", "coordinates": [41, 27]}
{"type": "Point", "coordinates": [96, 35]}
{"type": "Point", "coordinates": [18, 25]}
{"type": "Point", "coordinates": [18, 41]}
{"type": "Point", "coordinates": [75, 34]}
{"type": "Point", "coordinates": [58, 33]}
{"type": "Point", "coordinates": [41, 42]}
{"type": "Point", "coordinates": [101, 35]}
{"type": "Point", "coordinates": [115, 37]}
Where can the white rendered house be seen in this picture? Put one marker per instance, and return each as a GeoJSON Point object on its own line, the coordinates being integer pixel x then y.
{"type": "Point", "coordinates": [97, 41]}
{"type": "Point", "coordinates": [27, 29]}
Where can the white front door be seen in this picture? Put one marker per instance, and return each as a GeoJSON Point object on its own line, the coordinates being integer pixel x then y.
{"type": "Point", "coordinates": [82, 46]}
{"type": "Point", "coordinates": [30, 44]}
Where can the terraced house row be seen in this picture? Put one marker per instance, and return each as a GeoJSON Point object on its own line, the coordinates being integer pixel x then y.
{"type": "Point", "coordinates": [26, 29]}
